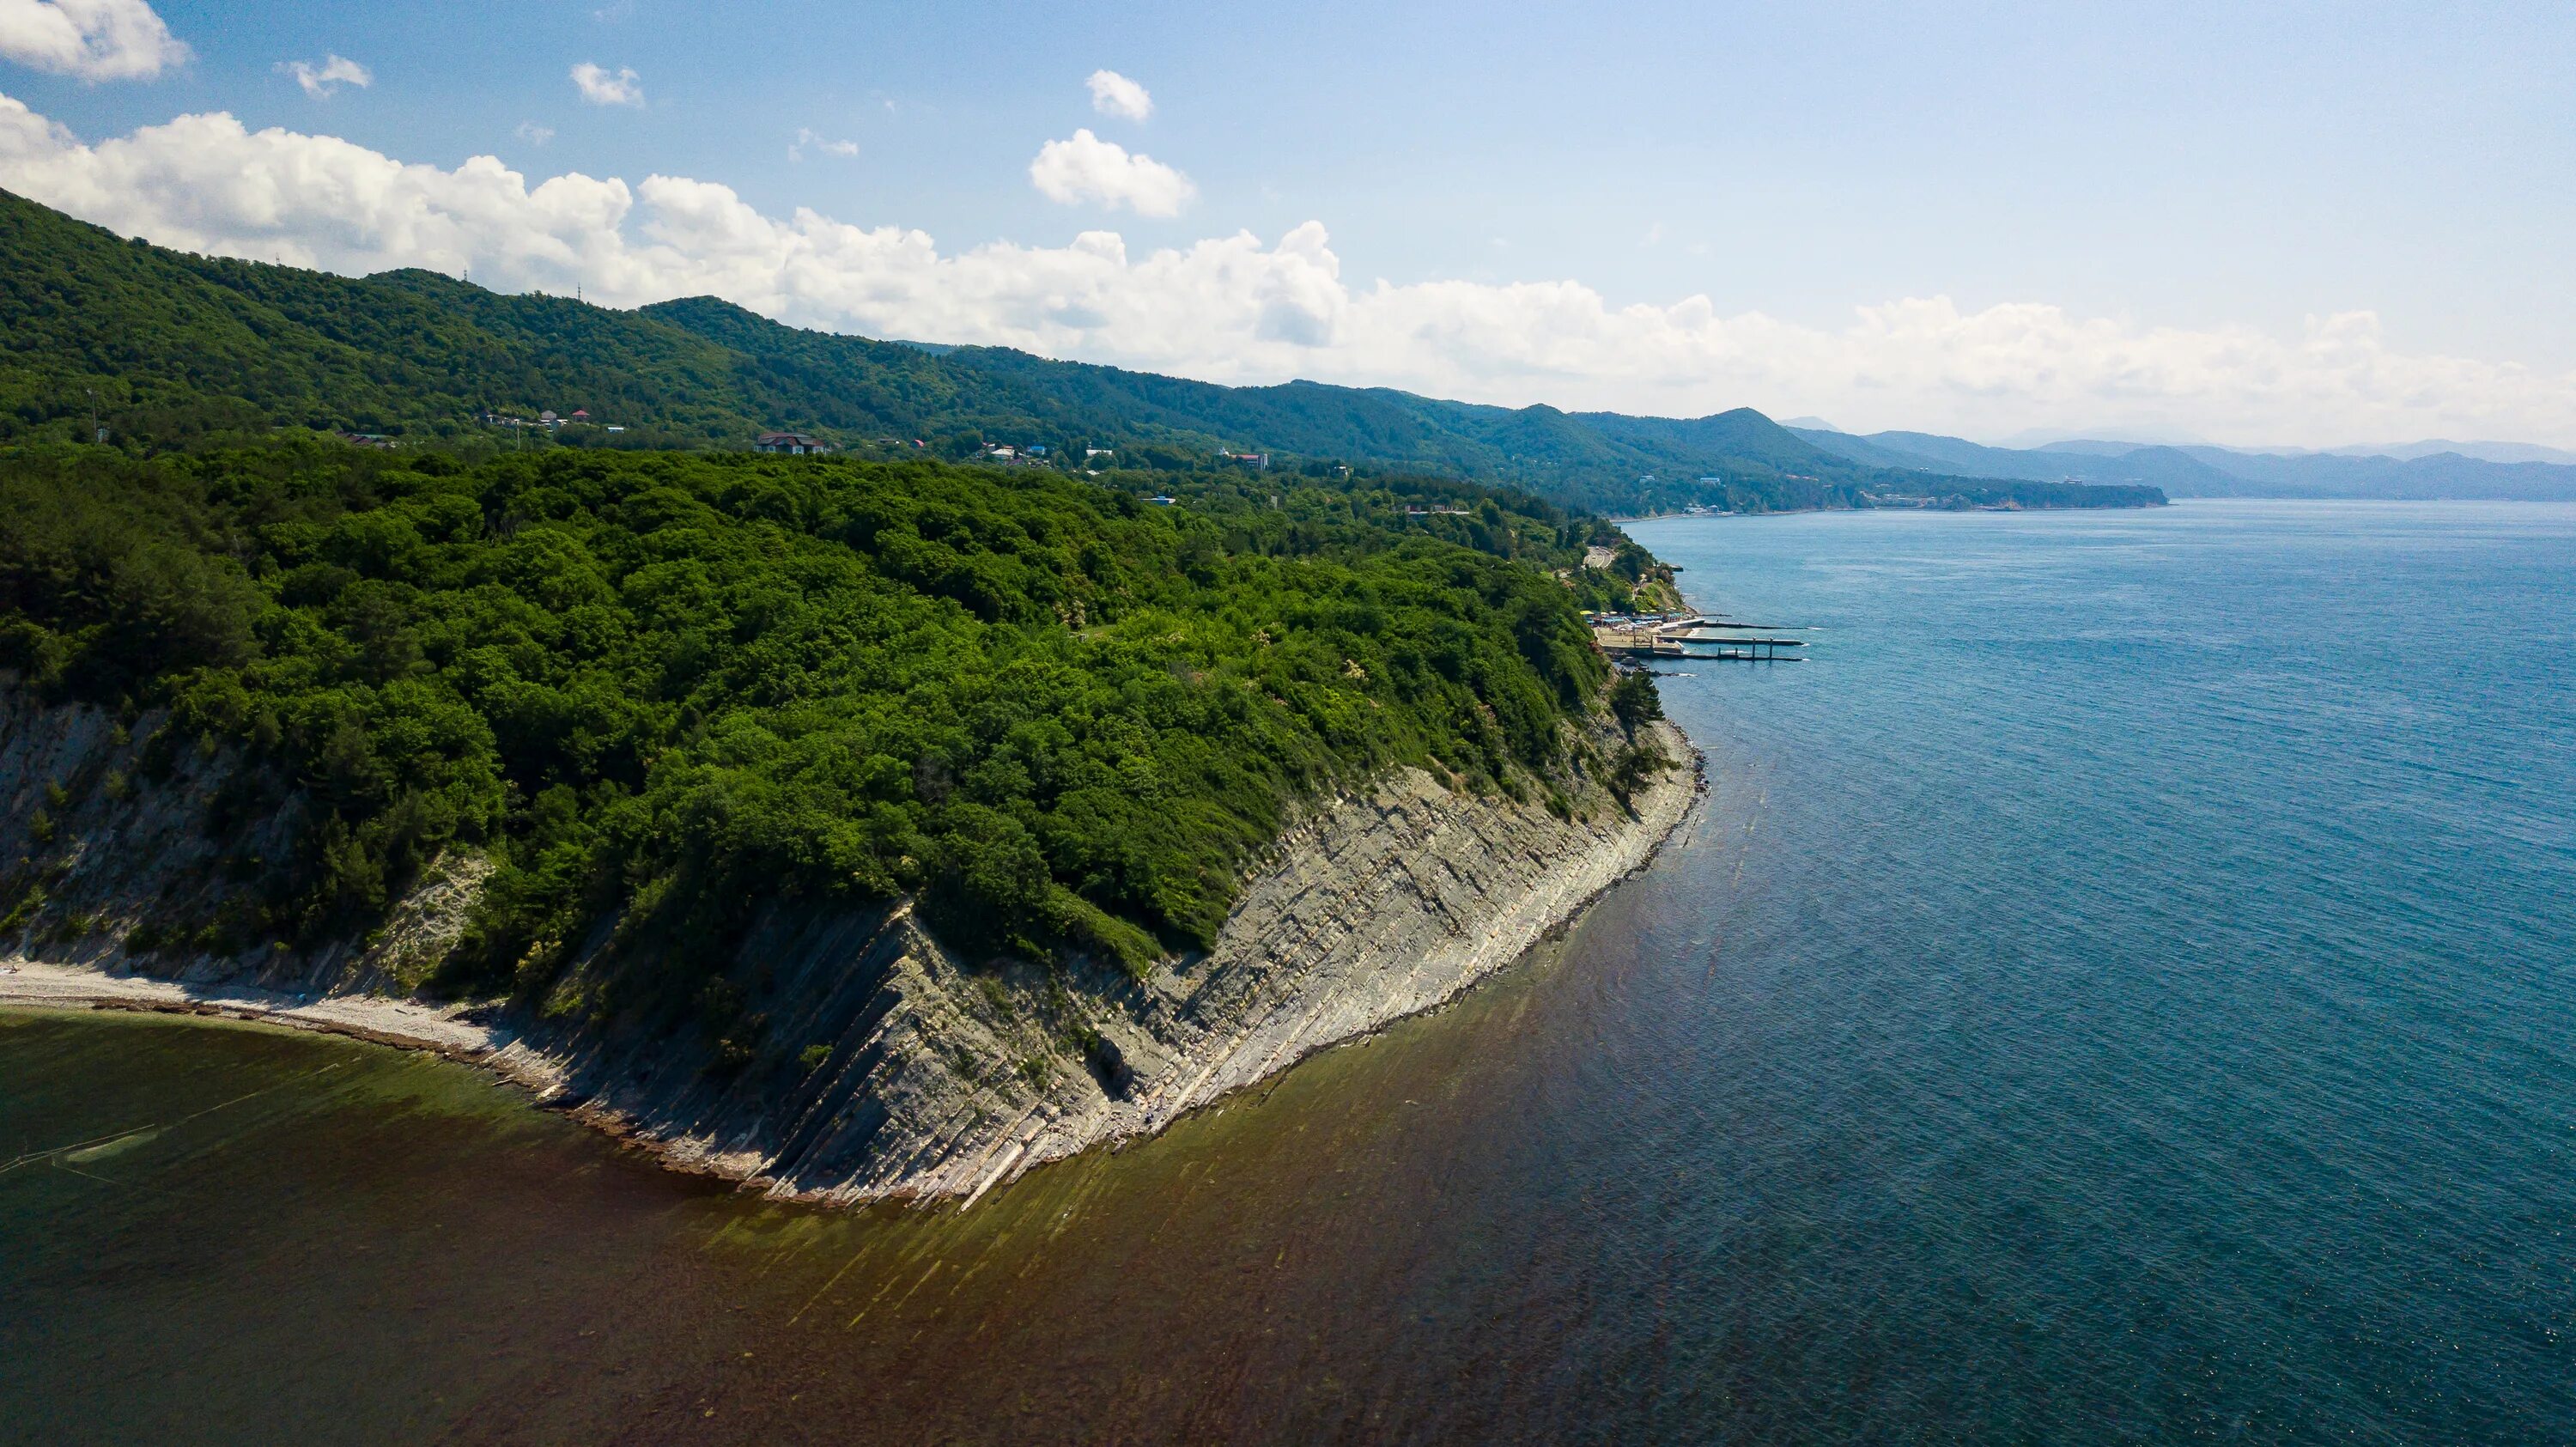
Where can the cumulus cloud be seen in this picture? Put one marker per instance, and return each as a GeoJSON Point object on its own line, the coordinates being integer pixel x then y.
{"type": "Point", "coordinates": [91, 39]}
{"type": "Point", "coordinates": [1087, 168]}
{"type": "Point", "coordinates": [1113, 94]}
{"type": "Point", "coordinates": [602, 87]}
{"type": "Point", "coordinates": [1240, 308]}
{"type": "Point", "coordinates": [816, 140]}
{"type": "Point", "coordinates": [322, 81]}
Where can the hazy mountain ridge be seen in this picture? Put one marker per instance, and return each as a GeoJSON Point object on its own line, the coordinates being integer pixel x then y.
{"type": "Point", "coordinates": [2433, 447]}
{"type": "Point", "coordinates": [2203, 471]}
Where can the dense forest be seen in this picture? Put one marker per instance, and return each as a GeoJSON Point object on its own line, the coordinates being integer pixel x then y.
{"type": "Point", "coordinates": [157, 347]}
{"type": "Point", "coordinates": [663, 687]}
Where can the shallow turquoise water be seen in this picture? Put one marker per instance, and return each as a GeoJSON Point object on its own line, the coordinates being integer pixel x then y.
{"type": "Point", "coordinates": [2120, 990]}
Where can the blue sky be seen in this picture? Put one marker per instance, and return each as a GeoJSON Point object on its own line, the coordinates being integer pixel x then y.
{"type": "Point", "coordinates": [2139, 218]}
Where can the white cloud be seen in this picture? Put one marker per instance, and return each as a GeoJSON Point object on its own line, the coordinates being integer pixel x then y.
{"type": "Point", "coordinates": [822, 143]}
{"type": "Point", "coordinates": [91, 39]}
{"type": "Point", "coordinates": [1087, 168]}
{"type": "Point", "coordinates": [602, 87]}
{"type": "Point", "coordinates": [1113, 94]}
{"type": "Point", "coordinates": [1239, 309]}
{"type": "Point", "coordinates": [321, 81]}
{"type": "Point", "coordinates": [534, 134]}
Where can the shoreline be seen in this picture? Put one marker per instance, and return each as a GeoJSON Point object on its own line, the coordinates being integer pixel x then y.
{"type": "Point", "coordinates": [27, 984]}
{"type": "Point", "coordinates": [1216, 1085]}
{"type": "Point", "coordinates": [452, 1033]}
{"type": "Point", "coordinates": [1932, 506]}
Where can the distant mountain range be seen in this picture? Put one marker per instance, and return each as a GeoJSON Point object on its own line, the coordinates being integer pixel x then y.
{"type": "Point", "coordinates": [158, 346]}
{"type": "Point", "coordinates": [2504, 471]}
{"type": "Point", "coordinates": [2434, 447]}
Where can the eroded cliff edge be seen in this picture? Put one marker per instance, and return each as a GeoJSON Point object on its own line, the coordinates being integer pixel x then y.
{"type": "Point", "coordinates": [880, 1064]}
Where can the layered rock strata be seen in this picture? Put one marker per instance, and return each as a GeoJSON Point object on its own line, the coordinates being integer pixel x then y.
{"type": "Point", "coordinates": [883, 1065]}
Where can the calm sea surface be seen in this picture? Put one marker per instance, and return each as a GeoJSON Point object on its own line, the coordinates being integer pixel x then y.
{"type": "Point", "coordinates": [2123, 989]}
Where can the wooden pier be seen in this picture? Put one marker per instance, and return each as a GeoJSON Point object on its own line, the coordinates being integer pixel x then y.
{"type": "Point", "coordinates": [1698, 636]}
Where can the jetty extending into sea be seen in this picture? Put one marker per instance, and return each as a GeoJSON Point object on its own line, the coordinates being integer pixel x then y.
{"type": "Point", "coordinates": [1692, 635]}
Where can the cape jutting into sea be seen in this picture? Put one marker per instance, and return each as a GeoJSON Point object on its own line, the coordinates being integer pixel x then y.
{"type": "Point", "coordinates": [2121, 989]}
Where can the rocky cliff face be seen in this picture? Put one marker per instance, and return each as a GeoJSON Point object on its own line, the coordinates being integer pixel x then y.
{"type": "Point", "coordinates": [868, 1061]}
{"type": "Point", "coordinates": [131, 845]}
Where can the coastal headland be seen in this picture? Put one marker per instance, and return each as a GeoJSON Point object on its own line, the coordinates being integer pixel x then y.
{"type": "Point", "coordinates": [1374, 906]}
{"type": "Point", "coordinates": [861, 825]}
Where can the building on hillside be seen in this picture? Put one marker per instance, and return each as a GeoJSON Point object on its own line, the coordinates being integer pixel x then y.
{"type": "Point", "coordinates": [549, 419]}
{"type": "Point", "coordinates": [580, 414]}
{"type": "Point", "coordinates": [1256, 459]}
{"type": "Point", "coordinates": [1599, 557]}
{"type": "Point", "coordinates": [793, 443]}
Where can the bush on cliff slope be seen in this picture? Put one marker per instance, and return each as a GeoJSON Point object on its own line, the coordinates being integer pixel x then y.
{"type": "Point", "coordinates": [666, 687]}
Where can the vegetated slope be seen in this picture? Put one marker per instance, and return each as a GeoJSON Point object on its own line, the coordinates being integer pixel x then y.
{"type": "Point", "coordinates": [160, 347]}
{"type": "Point", "coordinates": [1603, 462]}
{"type": "Point", "coordinates": [2212, 471]}
{"type": "Point", "coordinates": [660, 690]}
{"type": "Point", "coordinates": [167, 347]}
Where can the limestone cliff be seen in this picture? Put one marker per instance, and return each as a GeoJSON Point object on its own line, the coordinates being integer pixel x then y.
{"type": "Point", "coordinates": [871, 1062]}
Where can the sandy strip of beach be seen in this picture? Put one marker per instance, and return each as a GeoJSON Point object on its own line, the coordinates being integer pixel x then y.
{"type": "Point", "coordinates": [33, 984]}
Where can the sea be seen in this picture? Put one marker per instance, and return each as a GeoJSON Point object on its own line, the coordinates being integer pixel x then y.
{"type": "Point", "coordinates": [2120, 987]}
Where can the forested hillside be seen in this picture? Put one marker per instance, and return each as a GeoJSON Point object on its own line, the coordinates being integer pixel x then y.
{"type": "Point", "coordinates": [663, 688]}
{"type": "Point", "coordinates": [159, 347]}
